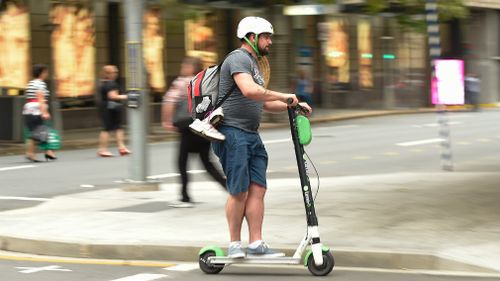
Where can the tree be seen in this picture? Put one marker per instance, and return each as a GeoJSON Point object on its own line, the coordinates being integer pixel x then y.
{"type": "Point", "coordinates": [410, 14]}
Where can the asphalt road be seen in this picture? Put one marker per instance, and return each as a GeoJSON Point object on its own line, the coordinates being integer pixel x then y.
{"type": "Point", "coordinates": [355, 147]}
{"type": "Point", "coordinates": [379, 145]}
{"type": "Point", "coordinates": [62, 271]}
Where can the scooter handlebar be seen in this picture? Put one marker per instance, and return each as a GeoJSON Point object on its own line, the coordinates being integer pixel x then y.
{"type": "Point", "coordinates": [298, 107]}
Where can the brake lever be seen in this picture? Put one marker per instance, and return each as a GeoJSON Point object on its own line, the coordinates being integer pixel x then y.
{"type": "Point", "coordinates": [299, 108]}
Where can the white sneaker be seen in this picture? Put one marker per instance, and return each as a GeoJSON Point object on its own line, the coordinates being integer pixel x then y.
{"type": "Point", "coordinates": [216, 116]}
{"type": "Point", "coordinates": [206, 130]}
{"type": "Point", "coordinates": [197, 126]}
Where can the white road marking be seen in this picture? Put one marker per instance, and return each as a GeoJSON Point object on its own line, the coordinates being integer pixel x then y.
{"type": "Point", "coordinates": [361, 157]}
{"type": "Point", "coordinates": [419, 272]}
{"type": "Point", "coordinates": [196, 171]}
{"type": "Point", "coordinates": [420, 142]}
{"type": "Point", "coordinates": [44, 268]}
{"type": "Point", "coordinates": [173, 175]}
{"type": "Point", "coordinates": [23, 198]}
{"type": "Point", "coordinates": [163, 176]}
{"type": "Point", "coordinates": [183, 267]}
{"type": "Point", "coordinates": [338, 127]}
{"type": "Point", "coordinates": [277, 141]}
{"type": "Point", "coordinates": [87, 185]}
{"type": "Point", "coordinates": [17, 168]}
{"type": "Point", "coordinates": [141, 277]}
{"type": "Point", "coordinates": [431, 125]}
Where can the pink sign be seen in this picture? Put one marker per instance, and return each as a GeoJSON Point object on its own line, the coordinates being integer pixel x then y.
{"type": "Point", "coordinates": [447, 87]}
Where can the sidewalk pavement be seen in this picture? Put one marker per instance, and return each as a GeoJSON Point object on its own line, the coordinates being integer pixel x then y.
{"type": "Point", "coordinates": [88, 138]}
{"type": "Point", "coordinates": [433, 221]}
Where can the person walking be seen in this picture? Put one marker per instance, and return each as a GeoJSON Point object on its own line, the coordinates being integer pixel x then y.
{"type": "Point", "coordinates": [176, 118]}
{"type": "Point", "coordinates": [243, 156]}
{"type": "Point", "coordinates": [111, 111]}
{"type": "Point", "coordinates": [36, 110]}
{"type": "Point", "coordinates": [472, 90]}
{"type": "Point", "coordinates": [304, 87]}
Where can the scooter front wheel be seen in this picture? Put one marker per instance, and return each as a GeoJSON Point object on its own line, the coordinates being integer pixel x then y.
{"type": "Point", "coordinates": [206, 266]}
{"type": "Point", "coordinates": [325, 268]}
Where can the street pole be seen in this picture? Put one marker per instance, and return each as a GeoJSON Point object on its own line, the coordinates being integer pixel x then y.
{"type": "Point", "coordinates": [135, 81]}
{"type": "Point", "coordinates": [432, 18]}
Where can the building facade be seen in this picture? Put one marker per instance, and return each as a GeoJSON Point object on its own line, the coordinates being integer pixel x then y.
{"type": "Point", "coordinates": [352, 60]}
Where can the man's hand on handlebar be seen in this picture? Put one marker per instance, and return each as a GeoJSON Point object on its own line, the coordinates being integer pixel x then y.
{"type": "Point", "coordinates": [291, 99]}
{"type": "Point", "coordinates": [305, 108]}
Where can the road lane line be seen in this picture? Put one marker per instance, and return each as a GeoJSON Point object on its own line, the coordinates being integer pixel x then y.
{"type": "Point", "coordinates": [23, 198]}
{"type": "Point", "coordinates": [338, 127]}
{"type": "Point", "coordinates": [361, 157]}
{"type": "Point", "coordinates": [163, 176]}
{"type": "Point", "coordinates": [183, 267]}
{"type": "Point", "coordinates": [142, 277]}
{"type": "Point", "coordinates": [173, 175]}
{"type": "Point", "coordinates": [47, 259]}
{"type": "Point", "coordinates": [17, 168]}
{"type": "Point", "coordinates": [420, 142]}
{"type": "Point", "coordinates": [431, 125]}
{"type": "Point", "coordinates": [419, 272]}
{"type": "Point", "coordinates": [278, 141]}
{"type": "Point", "coordinates": [29, 270]}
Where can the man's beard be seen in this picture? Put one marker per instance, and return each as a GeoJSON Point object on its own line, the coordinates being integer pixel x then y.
{"type": "Point", "coordinates": [264, 51]}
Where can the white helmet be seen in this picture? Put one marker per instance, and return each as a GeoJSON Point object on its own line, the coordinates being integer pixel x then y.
{"type": "Point", "coordinates": [254, 25]}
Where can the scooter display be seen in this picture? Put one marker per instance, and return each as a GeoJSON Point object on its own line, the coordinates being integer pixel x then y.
{"type": "Point", "coordinates": [318, 259]}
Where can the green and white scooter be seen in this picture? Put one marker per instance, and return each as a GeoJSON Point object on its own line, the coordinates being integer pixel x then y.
{"type": "Point", "coordinates": [318, 259]}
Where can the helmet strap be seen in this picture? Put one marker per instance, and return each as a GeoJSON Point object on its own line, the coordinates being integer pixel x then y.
{"type": "Point", "coordinates": [254, 46]}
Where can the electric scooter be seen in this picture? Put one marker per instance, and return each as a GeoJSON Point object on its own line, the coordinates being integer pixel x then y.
{"type": "Point", "coordinates": [319, 259]}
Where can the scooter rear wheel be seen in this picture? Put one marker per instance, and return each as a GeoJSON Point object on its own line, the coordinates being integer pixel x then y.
{"type": "Point", "coordinates": [325, 268]}
{"type": "Point", "coordinates": [207, 267]}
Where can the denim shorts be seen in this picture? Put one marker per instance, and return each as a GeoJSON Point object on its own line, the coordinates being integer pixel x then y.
{"type": "Point", "coordinates": [243, 158]}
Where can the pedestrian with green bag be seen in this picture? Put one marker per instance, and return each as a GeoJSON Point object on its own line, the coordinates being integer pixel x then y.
{"type": "Point", "coordinates": [36, 112]}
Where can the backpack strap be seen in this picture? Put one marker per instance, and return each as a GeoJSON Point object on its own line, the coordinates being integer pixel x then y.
{"type": "Point", "coordinates": [234, 86]}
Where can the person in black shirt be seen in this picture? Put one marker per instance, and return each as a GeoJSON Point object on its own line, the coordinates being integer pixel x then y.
{"type": "Point", "coordinates": [111, 111]}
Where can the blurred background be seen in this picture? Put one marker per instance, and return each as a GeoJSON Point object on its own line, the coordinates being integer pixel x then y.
{"type": "Point", "coordinates": [356, 53]}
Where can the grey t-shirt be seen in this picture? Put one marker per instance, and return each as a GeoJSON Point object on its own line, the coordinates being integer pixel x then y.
{"type": "Point", "coordinates": [240, 111]}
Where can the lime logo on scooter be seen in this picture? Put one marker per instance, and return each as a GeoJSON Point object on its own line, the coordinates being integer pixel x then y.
{"type": "Point", "coordinates": [306, 195]}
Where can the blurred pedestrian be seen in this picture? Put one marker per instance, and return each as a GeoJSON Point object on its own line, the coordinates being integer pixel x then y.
{"type": "Point", "coordinates": [111, 111]}
{"type": "Point", "coordinates": [176, 118]}
{"type": "Point", "coordinates": [304, 88]}
{"type": "Point", "coordinates": [36, 110]}
{"type": "Point", "coordinates": [472, 90]}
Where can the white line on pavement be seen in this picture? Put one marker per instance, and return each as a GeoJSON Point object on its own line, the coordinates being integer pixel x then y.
{"type": "Point", "coordinates": [163, 176]}
{"type": "Point", "coordinates": [338, 127]}
{"type": "Point", "coordinates": [44, 268]}
{"type": "Point", "coordinates": [183, 267]}
{"type": "Point", "coordinates": [420, 272]}
{"type": "Point", "coordinates": [430, 125]}
{"type": "Point", "coordinates": [278, 141]}
{"type": "Point", "coordinates": [420, 142]}
{"type": "Point", "coordinates": [17, 167]}
{"type": "Point", "coordinates": [172, 175]}
{"type": "Point", "coordinates": [141, 277]}
{"type": "Point", "coordinates": [23, 198]}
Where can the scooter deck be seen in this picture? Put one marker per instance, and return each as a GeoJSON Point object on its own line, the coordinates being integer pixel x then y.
{"type": "Point", "coordinates": [254, 260]}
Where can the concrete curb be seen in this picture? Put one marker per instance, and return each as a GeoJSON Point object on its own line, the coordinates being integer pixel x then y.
{"type": "Point", "coordinates": [343, 257]}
